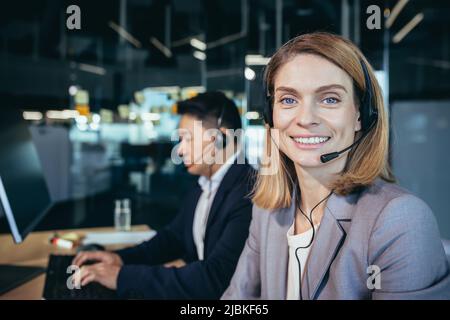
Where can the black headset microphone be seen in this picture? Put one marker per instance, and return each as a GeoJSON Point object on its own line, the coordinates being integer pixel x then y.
{"type": "Point", "coordinates": [333, 155]}
{"type": "Point", "coordinates": [368, 116]}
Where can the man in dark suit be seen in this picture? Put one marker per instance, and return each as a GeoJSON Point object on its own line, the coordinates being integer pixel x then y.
{"type": "Point", "coordinates": [211, 227]}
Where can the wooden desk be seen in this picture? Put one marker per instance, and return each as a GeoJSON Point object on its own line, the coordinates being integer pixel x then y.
{"type": "Point", "coordinates": [34, 251]}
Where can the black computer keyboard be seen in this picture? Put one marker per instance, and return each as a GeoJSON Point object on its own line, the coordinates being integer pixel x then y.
{"type": "Point", "coordinates": [56, 282]}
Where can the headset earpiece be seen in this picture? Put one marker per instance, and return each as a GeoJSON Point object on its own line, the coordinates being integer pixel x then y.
{"type": "Point", "coordinates": [268, 113]}
{"type": "Point", "coordinates": [368, 113]}
{"type": "Point", "coordinates": [268, 107]}
{"type": "Point", "coordinates": [221, 138]}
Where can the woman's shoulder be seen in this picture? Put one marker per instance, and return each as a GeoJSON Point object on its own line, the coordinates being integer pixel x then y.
{"type": "Point", "coordinates": [390, 202]}
{"type": "Point", "coordinates": [405, 233]}
{"type": "Point", "coordinates": [386, 193]}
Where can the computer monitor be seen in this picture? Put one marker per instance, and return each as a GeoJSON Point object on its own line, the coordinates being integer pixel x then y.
{"type": "Point", "coordinates": [24, 196]}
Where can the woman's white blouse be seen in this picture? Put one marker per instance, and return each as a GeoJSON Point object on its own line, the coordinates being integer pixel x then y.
{"type": "Point", "coordinates": [295, 241]}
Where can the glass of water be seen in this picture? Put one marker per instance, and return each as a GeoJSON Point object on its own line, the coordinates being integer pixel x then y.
{"type": "Point", "coordinates": [122, 215]}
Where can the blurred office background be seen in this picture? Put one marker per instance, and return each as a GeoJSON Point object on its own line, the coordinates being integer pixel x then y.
{"type": "Point", "coordinates": [101, 101]}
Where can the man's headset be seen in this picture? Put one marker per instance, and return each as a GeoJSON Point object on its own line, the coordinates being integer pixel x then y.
{"type": "Point", "coordinates": [220, 141]}
{"type": "Point", "coordinates": [221, 138]}
{"type": "Point", "coordinates": [368, 114]}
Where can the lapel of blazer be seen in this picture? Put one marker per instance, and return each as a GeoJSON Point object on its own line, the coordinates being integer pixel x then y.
{"type": "Point", "coordinates": [278, 252]}
{"type": "Point", "coordinates": [235, 172]}
{"type": "Point", "coordinates": [327, 244]}
{"type": "Point", "coordinates": [189, 208]}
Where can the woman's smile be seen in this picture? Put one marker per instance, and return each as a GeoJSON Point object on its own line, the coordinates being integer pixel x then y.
{"type": "Point", "coordinates": [311, 141]}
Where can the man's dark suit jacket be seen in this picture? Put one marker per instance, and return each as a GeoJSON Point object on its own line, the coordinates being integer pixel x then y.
{"type": "Point", "coordinates": [143, 274]}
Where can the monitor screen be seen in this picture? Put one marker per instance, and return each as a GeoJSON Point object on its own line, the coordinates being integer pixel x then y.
{"type": "Point", "coordinates": [24, 196]}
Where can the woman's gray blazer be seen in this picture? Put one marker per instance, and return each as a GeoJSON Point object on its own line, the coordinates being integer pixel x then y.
{"type": "Point", "coordinates": [382, 243]}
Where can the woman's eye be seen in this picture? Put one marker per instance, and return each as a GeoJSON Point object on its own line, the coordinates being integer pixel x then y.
{"type": "Point", "coordinates": [330, 100]}
{"type": "Point", "coordinates": [288, 101]}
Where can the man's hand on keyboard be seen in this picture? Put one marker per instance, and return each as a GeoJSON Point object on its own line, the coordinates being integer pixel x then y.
{"type": "Point", "coordinates": [105, 274]}
{"type": "Point", "coordinates": [104, 257]}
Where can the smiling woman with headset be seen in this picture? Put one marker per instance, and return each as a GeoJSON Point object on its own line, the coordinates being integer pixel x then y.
{"type": "Point", "coordinates": [329, 222]}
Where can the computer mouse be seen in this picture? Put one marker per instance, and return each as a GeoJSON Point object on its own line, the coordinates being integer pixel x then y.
{"type": "Point", "coordinates": [90, 247]}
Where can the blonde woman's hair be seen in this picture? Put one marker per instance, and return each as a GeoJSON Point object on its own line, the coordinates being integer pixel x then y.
{"type": "Point", "coordinates": [365, 163]}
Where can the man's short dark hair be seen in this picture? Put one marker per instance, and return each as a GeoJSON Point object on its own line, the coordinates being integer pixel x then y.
{"type": "Point", "coordinates": [210, 106]}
